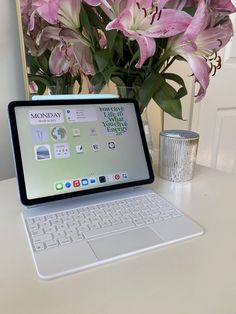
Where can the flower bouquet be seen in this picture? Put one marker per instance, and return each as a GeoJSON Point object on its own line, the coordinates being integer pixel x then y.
{"type": "Point", "coordinates": [129, 42]}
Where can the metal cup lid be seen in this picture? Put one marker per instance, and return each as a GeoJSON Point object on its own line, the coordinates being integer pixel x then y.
{"type": "Point", "coordinates": [180, 134]}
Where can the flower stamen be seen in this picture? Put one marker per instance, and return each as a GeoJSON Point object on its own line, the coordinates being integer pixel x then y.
{"type": "Point", "coordinates": [214, 70]}
{"type": "Point", "coordinates": [145, 12]}
{"type": "Point", "coordinates": [153, 16]}
{"type": "Point", "coordinates": [214, 67]}
{"type": "Point", "coordinates": [220, 42]}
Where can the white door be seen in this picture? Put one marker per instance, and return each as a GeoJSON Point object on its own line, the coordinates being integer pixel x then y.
{"type": "Point", "coordinates": [215, 117]}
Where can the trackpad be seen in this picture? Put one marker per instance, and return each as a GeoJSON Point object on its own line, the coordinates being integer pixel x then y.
{"type": "Point", "coordinates": [124, 242]}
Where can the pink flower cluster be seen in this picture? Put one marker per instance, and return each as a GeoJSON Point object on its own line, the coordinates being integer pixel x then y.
{"type": "Point", "coordinates": [195, 35]}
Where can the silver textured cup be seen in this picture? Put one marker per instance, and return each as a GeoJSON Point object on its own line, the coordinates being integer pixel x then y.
{"type": "Point", "coordinates": [177, 154]}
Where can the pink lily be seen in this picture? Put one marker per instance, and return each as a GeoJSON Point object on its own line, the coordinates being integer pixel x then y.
{"type": "Point", "coordinates": [112, 8]}
{"type": "Point", "coordinates": [69, 12]}
{"type": "Point", "coordinates": [60, 61]}
{"type": "Point", "coordinates": [71, 56]}
{"type": "Point", "coordinates": [178, 4]}
{"type": "Point", "coordinates": [47, 9]}
{"type": "Point", "coordinates": [143, 22]}
{"type": "Point", "coordinates": [199, 45]}
{"type": "Point", "coordinates": [221, 5]}
{"type": "Point", "coordinates": [96, 3]}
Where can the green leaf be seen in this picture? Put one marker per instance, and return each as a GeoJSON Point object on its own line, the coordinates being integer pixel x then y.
{"type": "Point", "coordinates": [181, 93]}
{"type": "Point", "coordinates": [37, 78]}
{"type": "Point", "coordinates": [103, 59]}
{"type": "Point", "coordinates": [41, 87]}
{"type": "Point", "coordinates": [92, 16]}
{"type": "Point", "coordinates": [166, 99]}
{"type": "Point", "coordinates": [108, 73]}
{"type": "Point", "coordinates": [33, 65]}
{"type": "Point", "coordinates": [43, 63]}
{"type": "Point", "coordinates": [119, 46]}
{"type": "Point", "coordinates": [111, 38]}
{"type": "Point", "coordinates": [86, 22]}
{"type": "Point", "coordinates": [135, 57]}
{"type": "Point", "coordinates": [190, 10]}
{"type": "Point", "coordinates": [150, 86]}
{"type": "Point", "coordinates": [118, 81]}
{"type": "Point", "coordinates": [176, 78]}
{"type": "Point", "coordinates": [41, 82]}
{"type": "Point", "coordinates": [98, 82]}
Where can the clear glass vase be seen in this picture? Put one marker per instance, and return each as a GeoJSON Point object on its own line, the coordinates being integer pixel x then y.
{"type": "Point", "coordinates": [133, 92]}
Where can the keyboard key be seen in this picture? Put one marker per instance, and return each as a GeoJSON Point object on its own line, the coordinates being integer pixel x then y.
{"type": "Point", "coordinates": [38, 246]}
{"type": "Point", "coordinates": [59, 234]}
{"type": "Point", "coordinates": [64, 241]}
{"type": "Point", "coordinates": [77, 237]}
{"type": "Point", "coordinates": [30, 221]}
{"type": "Point", "coordinates": [51, 244]}
{"type": "Point", "coordinates": [39, 219]}
{"type": "Point", "coordinates": [83, 228]}
{"type": "Point", "coordinates": [138, 222]}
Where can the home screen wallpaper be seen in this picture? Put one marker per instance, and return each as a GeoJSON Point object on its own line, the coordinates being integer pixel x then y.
{"type": "Point", "coordinates": [75, 147]}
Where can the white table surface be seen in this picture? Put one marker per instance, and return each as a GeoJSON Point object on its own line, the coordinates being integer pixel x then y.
{"type": "Point", "coordinates": [197, 276]}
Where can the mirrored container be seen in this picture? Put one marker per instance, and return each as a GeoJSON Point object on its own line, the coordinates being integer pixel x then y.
{"type": "Point", "coordinates": [177, 154]}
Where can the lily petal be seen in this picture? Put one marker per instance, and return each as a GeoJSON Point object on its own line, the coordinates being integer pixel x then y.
{"type": "Point", "coordinates": [171, 22]}
{"type": "Point", "coordinates": [69, 36]}
{"type": "Point", "coordinates": [69, 13]}
{"type": "Point", "coordinates": [147, 48]}
{"type": "Point", "coordinates": [47, 9]}
{"type": "Point", "coordinates": [217, 37]}
{"type": "Point", "coordinates": [58, 64]}
{"type": "Point", "coordinates": [222, 5]}
{"type": "Point", "coordinates": [95, 3]}
{"type": "Point", "coordinates": [201, 71]}
{"type": "Point", "coordinates": [84, 58]}
{"type": "Point", "coordinates": [199, 21]}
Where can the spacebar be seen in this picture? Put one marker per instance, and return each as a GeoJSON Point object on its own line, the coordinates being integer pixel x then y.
{"type": "Point", "coordinates": [108, 229]}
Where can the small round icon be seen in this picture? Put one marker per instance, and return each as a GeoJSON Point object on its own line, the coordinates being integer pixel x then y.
{"type": "Point", "coordinates": [59, 186]}
{"type": "Point", "coordinates": [117, 176]}
{"type": "Point", "coordinates": [68, 185]}
{"type": "Point", "coordinates": [111, 145]}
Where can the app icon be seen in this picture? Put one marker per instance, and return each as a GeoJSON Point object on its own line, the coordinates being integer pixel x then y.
{"type": "Point", "coordinates": [117, 177]}
{"type": "Point", "coordinates": [39, 135]}
{"type": "Point", "coordinates": [109, 178]}
{"type": "Point", "coordinates": [59, 186]}
{"type": "Point", "coordinates": [79, 149]}
{"type": "Point", "coordinates": [124, 175]}
{"type": "Point", "coordinates": [96, 147]}
{"type": "Point", "coordinates": [58, 133]}
{"type": "Point", "coordinates": [92, 181]}
{"type": "Point", "coordinates": [102, 179]}
{"type": "Point", "coordinates": [42, 152]}
{"type": "Point", "coordinates": [111, 145]}
{"type": "Point", "coordinates": [68, 185]}
{"type": "Point", "coordinates": [76, 132]}
{"type": "Point", "coordinates": [61, 150]}
{"type": "Point", "coordinates": [84, 182]}
{"type": "Point", "coordinates": [76, 183]}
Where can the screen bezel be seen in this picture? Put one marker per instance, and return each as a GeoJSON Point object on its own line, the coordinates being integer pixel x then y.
{"type": "Point", "coordinates": [18, 158]}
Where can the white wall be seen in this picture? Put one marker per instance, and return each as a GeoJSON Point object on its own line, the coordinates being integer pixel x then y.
{"type": "Point", "coordinates": [11, 80]}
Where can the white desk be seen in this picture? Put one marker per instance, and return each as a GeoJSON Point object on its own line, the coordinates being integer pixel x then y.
{"type": "Point", "coordinates": [193, 277]}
